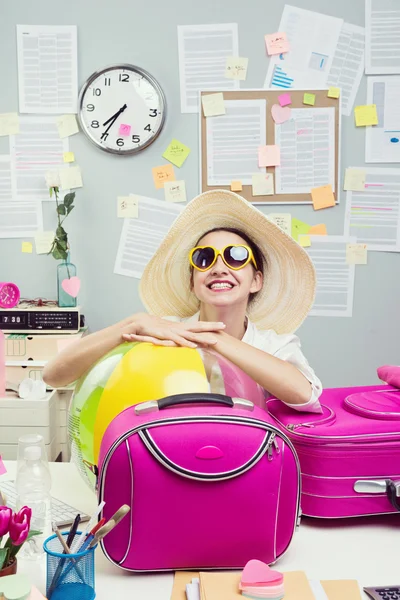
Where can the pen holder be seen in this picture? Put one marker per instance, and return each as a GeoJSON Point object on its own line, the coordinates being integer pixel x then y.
{"type": "Point", "coordinates": [69, 575]}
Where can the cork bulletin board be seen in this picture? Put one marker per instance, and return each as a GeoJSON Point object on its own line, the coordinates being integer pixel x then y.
{"type": "Point", "coordinates": [271, 97]}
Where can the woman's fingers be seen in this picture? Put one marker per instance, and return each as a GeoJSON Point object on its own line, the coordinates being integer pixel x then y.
{"type": "Point", "coordinates": [147, 338]}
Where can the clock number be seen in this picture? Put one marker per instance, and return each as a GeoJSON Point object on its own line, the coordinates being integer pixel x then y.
{"type": "Point", "coordinates": [147, 128]}
{"type": "Point", "coordinates": [107, 81]}
{"type": "Point", "coordinates": [123, 77]}
{"type": "Point", "coordinates": [104, 136]}
{"type": "Point", "coordinates": [96, 92]}
{"type": "Point", "coordinates": [120, 142]}
{"type": "Point", "coordinates": [153, 112]}
{"type": "Point", "coordinates": [95, 124]}
{"type": "Point", "coordinates": [90, 107]}
{"type": "Point", "coordinates": [136, 139]}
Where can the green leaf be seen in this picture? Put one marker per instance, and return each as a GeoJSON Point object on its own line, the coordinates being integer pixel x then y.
{"type": "Point", "coordinates": [69, 198]}
{"type": "Point", "coordinates": [70, 208]}
{"type": "Point", "coordinates": [3, 555]}
{"type": "Point", "coordinates": [59, 253]}
{"type": "Point", "coordinates": [33, 532]}
{"type": "Point", "coordinates": [62, 244]}
{"type": "Point", "coordinates": [61, 209]}
{"type": "Point", "coordinates": [61, 233]}
{"type": "Point", "coordinates": [51, 192]}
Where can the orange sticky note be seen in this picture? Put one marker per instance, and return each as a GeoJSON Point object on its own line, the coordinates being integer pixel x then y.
{"type": "Point", "coordinates": [276, 43]}
{"type": "Point", "coordinates": [269, 156]}
{"type": "Point", "coordinates": [318, 229]}
{"type": "Point", "coordinates": [236, 186]}
{"type": "Point", "coordinates": [322, 197]}
{"type": "Point", "coordinates": [162, 174]}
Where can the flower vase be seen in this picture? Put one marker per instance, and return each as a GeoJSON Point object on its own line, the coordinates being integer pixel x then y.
{"type": "Point", "coordinates": [65, 270]}
{"type": "Point", "coordinates": [11, 569]}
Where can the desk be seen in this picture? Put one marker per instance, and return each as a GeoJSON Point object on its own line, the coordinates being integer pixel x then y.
{"type": "Point", "coordinates": [366, 549]}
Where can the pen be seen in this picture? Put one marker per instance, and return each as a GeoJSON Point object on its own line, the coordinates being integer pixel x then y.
{"type": "Point", "coordinates": [66, 550]}
{"type": "Point", "coordinates": [73, 530]}
{"type": "Point", "coordinates": [80, 539]}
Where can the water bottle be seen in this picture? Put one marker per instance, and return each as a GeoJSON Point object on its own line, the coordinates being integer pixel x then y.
{"type": "Point", "coordinates": [33, 483]}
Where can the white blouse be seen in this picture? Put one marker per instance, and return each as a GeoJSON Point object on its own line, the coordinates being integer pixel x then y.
{"type": "Point", "coordinates": [286, 347]}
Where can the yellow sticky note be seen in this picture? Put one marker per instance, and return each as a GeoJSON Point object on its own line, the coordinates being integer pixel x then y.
{"type": "Point", "coordinates": [354, 180]}
{"type": "Point", "coordinates": [333, 92]}
{"type": "Point", "coordinates": [318, 229]}
{"type": "Point", "coordinates": [299, 228]}
{"type": "Point", "coordinates": [236, 186]}
{"type": "Point", "coordinates": [262, 184]}
{"type": "Point", "coordinates": [175, 191]}
{"type": "Point", "coordinates": [304, 241]}
{"type": "Point", "coordinates": [356, 254]}
{"type": "Point", "coordinates": [44, 241]}
{"type": "Point", "coordinates": [70, 178]}
{"type": "Point", "coordinates": [68, 157]}
{"type": "Point", "coordinates": [162, 174]}
{"type": "Point", "coordinates": [128, 207]}
{"type": "Point", "coordinates": [27, 247]}
{"type": "Point", "coordinates": [309, 99]}
{"type": "Point", "coordinates": [322, 197]}
{"type": "Point", "coordinates": [9, 123]}
{"type": "Point", "coordinates": [276, 43]}
{"type": "Point", "coordinates": [366, 115]}
{"type": "Point", "coordinates": [283, 220]}
{"type": "Point", "coordinates": [213, 104]}
{"type": "Point", "coordinates": [176, 153]}
{"type": "Point", "coordinates": [269, 156]}
{"type": "Point", "coordinates": [67, 125]}
{"type": "Point", "coordinates": [236, 68]}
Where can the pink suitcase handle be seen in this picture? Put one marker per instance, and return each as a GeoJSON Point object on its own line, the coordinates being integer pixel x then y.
{"type": "Point", "coordinates": [379, 486]}
{"type": "Point", "coordinates": [195, 399]}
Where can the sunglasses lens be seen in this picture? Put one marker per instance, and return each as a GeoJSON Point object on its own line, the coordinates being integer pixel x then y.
{"type": "Point", "coordinates": [236, 256]}
{"type": "Point", "coordinates": [203, 257]}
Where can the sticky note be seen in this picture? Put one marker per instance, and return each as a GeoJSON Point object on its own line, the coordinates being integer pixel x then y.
{"type": "Point", "coordinates": [128, 207]}
{"type": "Point", "coordinates": [366, 115]}
{"type": "Point", "coordinates": [299, 228]}
{"type": "Point", "coordinates": [318, 229]}
{"type": "Point", "coordinates": [322, 197]}
{"type": "Point", "coordinates": [284, 99]}
{"type": "Point", "coordinates": [304, 241]}
{"type": "Point", "coordinates": [354, 179]}
{"type": "Point", "coordinates": [309, 99]}
{"type": "Point", "coordinates": [338, 589]}
{"type": "Point", "coordinates": [356, 254]}
{"type": "Point", "coordinates": [176, 153]}
{"type": "Point", "coordinates": [236, 186]}
{"type": "Point", "coordinates": [68, 157]}
{"type": "Point", "coordinates": [3, 470]}
{"type": "Point", "coordinates": [276, 43]}
{"type": "Point", "coordinates": [269, 156]}
{"type": "Point", "coordinates": [280, 114]}
{"type": "Point", "coordinates": [175, 191]}
{"type": "Point", "coordinates": [283, 220]}
{"type": "Point", "coordinates": [213, 104]}
{"type": "Point", "coordinates": [162, 174]}
{"type": "Point", "coordinates": [297, 586]}
{"type": "Point", "coordinates": [124, 129]}
{"type": "Point", "coordinates": [70, 178]}
{"type": "Point", "coordinates": [262, 184]}
{"type": "Point", "coordinates": [333, 92]}
{"type": "Point", "coordinates": [27, 247]}
{"type": "Point", "coordinates": [67, 125]}
{"type": "Point", "coordinates": [9, 123]}
{"type": "Point", "coordinates": [236, 68]}
{"type": "Point", "coordinates": [44, 241]}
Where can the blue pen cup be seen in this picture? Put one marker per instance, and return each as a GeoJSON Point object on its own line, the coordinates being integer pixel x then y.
{"type": "Point", "coordinates": [69, 576]}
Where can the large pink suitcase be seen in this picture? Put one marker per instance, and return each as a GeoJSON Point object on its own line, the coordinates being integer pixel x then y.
{"type": "Point", "coordinates": [211, 483]}
{"type": "Point", "coordinates": [350, 454]}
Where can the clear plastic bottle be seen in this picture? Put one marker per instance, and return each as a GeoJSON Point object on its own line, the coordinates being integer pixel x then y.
{"type": "Point", "coordinates": [33, 484]}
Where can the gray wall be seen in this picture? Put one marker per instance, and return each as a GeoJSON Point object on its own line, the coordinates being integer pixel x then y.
{"type": "Point", "coordinates": [343, 351]}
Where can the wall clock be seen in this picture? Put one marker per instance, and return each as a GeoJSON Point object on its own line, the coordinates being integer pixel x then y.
{"type": "Point", "coordinates": [9, 295]}
{"type": "Point", "coordinates": [121, 109]}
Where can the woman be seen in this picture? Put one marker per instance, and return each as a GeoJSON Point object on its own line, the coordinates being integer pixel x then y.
{"type": "Point", "coordinates": [227, 278]}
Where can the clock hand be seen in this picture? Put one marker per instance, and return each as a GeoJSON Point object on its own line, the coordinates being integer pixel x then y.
{"type": "Point", "coordinates": [115, 116]}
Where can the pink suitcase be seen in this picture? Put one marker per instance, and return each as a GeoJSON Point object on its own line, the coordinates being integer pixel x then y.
{"type": "Point", "coordinates": [350, 454]}
{"type": "Point", "coordinates": [211, 483]}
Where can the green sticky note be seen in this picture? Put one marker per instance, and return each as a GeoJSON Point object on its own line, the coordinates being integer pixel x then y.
{"type": "Point", "coordinates": [309, 99]}
{"type": "Point", "coordinates": [176, 153]}
{"type": "Point", "coordinates": [299, 228]}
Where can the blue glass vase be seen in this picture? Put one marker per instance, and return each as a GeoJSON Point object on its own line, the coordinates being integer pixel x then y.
{"type": "Point", "coordinates": [65, 270]}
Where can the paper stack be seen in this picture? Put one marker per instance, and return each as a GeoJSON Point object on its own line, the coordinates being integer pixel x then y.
{"type": "Point", "coordinates": [260, 581]}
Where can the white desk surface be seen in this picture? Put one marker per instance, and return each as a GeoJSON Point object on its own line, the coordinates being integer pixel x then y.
{"type": "Point", "coordinates": [366, 549]}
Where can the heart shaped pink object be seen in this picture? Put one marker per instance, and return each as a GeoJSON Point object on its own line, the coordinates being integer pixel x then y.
{"type": "Point", "coordinates": [257, 573]}
{"type": "Point", "coordinates": [71, 286]}
{"type": "Point", "coordinates": [280, 114]}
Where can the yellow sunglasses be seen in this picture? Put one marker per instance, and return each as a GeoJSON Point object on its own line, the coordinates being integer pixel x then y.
{"type": "Point", "coordinates": [235, 256]}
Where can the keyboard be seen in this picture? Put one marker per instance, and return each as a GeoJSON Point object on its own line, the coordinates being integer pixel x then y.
{"type": "Point", "coordinates": [61, 513]}
{"type": "Point", "coordinates": [383, 593]}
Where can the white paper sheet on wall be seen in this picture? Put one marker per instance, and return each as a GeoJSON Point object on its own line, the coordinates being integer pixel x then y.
{"type": "Point", "coordinates": [382, 25]}
{"type": "Point", "coordinates": [335, 278]}
{"type": "Point", "coordinates": [47, 69]}
{"type": "Point", "coordinates": [203, 50]}
{"type": "Point", "coordinates": [348, 65]}
{"type": "Point", "coordinates": [233, 140]}
{"type": "Point", "coordinates": [307, 143]}
{"type": "Point", "coordinates": [36, 150]}
{"type": "Point", "coordinates": [373, 215]}
{"type": "Point", "coordinates": [382, 142]}
{"type": "Point", "coordinates": [141, 237]}
{"type": "Point", "coordinates": [313, 39]}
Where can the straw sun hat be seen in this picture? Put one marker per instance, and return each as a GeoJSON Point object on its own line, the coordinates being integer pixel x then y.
{"type": "Point", "coordinates": [289, 276]}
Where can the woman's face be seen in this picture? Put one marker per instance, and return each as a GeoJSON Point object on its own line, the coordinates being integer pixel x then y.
{"type": "Point", "coordinates": [220, 285]}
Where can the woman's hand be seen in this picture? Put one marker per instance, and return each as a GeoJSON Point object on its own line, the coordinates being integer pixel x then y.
{"type": "Point", "coordinates": [162, 332]}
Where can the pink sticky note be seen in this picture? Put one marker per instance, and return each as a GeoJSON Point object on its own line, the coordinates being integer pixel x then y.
{"type": "Point", "coordinates": [124, 129]}
{"type": "Point", "coordinates": [284, 99]}
{"type": "Point", "coordinates": [2, 467]}
{"type": "Point", "coordinates": [276, 43]}
{"type": "Point", "coordinates": [269, 156]}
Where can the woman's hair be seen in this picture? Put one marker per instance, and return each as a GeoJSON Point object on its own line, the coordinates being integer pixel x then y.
{"type": "Point", "coordinates": [258, 256]}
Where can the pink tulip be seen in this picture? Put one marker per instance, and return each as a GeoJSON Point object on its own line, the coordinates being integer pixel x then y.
{"type": "Point", "coordinates": [19, 525]}
{"type": "Point", "coordinates": [5, 516]}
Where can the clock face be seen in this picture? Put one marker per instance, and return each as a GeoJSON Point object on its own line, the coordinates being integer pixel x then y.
{"type": "Point", "coordinates": [9, 295]}
{"type": "Point", "coordinates": [121, 109]}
